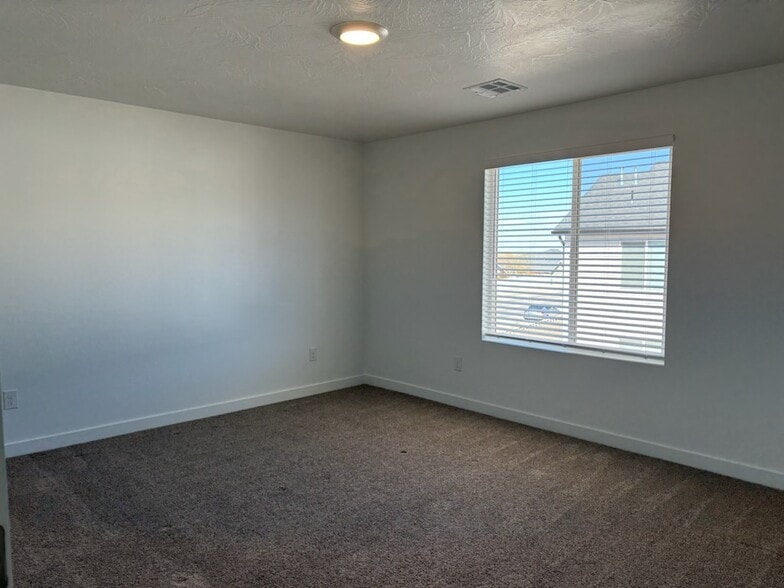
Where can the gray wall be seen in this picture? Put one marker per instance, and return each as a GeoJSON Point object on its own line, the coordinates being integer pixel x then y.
{"type": "Point", "coordinates": [152, 262]}
{"type": "Point", "coordinates": [719, 400]}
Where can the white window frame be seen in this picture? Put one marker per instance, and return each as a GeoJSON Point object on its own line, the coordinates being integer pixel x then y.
{"type": "Point", "coordinates": [491, 241]}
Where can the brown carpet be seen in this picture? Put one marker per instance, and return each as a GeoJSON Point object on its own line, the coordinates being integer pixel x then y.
{"type": "Point", "coordinates": [365, 487]}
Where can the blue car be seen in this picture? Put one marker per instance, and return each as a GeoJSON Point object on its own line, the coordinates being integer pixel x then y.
{"type": "Point", "coordinates": [536, 313]}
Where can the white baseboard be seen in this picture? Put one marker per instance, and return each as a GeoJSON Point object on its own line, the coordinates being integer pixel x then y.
{"type": "Point", "coordinates": [719, 465]}
{"type": "Point", "coordinates": [57, 440]}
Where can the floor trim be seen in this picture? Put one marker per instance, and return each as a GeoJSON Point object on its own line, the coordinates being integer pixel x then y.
{"type": "Point", "coordinates": [64, 439]}
{"type": "Point", "coordinates": [718, 465]}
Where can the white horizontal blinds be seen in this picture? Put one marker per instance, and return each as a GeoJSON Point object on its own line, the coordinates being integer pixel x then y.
{"type": "Point", "coordinates": [527, 294]}
{"type": "Point", "coordinates": [623, 230]}
{"type": "Point", "coordinates": [576, 251]}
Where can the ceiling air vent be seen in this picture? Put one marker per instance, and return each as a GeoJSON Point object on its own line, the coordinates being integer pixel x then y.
{"type": "Point", "coordinates": [495, 88]}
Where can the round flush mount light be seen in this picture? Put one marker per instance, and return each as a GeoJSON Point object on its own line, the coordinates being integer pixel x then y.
{"type": "Point", "coordinates": [358, 32]}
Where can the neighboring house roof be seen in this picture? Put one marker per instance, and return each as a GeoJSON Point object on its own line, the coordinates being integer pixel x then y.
{"type": "Point", "coordinates": [547, 261]}
{"type": "Point", "coordinates": [624, 203]}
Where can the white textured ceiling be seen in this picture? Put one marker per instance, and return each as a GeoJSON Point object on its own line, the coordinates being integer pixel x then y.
{"type": "Point", "coordinates": [274, 63]}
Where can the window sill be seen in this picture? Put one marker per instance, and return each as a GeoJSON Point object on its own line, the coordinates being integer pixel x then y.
{"type": "Point", "coordinates": [573, 350]}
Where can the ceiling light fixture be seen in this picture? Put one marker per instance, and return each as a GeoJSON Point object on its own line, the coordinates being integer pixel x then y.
{"type": "Point", "coordinates": [358, 32]}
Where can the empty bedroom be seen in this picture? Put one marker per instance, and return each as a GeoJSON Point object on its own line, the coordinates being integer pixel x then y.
{"type": "Point", "coordinates": [412, 293]}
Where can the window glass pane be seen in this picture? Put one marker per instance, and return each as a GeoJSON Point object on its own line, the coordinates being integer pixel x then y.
{"type": "Point", "coordinates": [531, 287]}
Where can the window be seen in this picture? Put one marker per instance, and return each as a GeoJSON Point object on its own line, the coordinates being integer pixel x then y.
{"type": "Point", "coordinates": [642, 264]}
{"type": "Point", "coordinates": [575, 252]}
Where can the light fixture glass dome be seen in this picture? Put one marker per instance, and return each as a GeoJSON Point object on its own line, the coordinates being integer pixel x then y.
{"type": "Point", "coordinates": [359, 32]}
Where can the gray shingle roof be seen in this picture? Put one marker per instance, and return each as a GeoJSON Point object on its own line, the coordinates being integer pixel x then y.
{"type": "Point", "coordinates": [624, 203]}
{"type": "Point", "coordinates": [547, 261]}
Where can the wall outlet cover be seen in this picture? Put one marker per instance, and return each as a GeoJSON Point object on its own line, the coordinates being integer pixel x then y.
{"type": "Point", "coordinates": [10, 400]}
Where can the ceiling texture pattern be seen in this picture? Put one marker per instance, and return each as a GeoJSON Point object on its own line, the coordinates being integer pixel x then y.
{"type": "Point", "coordinates": [274, 62]}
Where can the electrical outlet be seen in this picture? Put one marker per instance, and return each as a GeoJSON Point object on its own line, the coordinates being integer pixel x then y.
{"type": "Point", "coordinates": [458, 364]}
{"type": "Point", "coordinates": [312, 354]}
{"type": "Point", "coordinates": [10, 400]}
